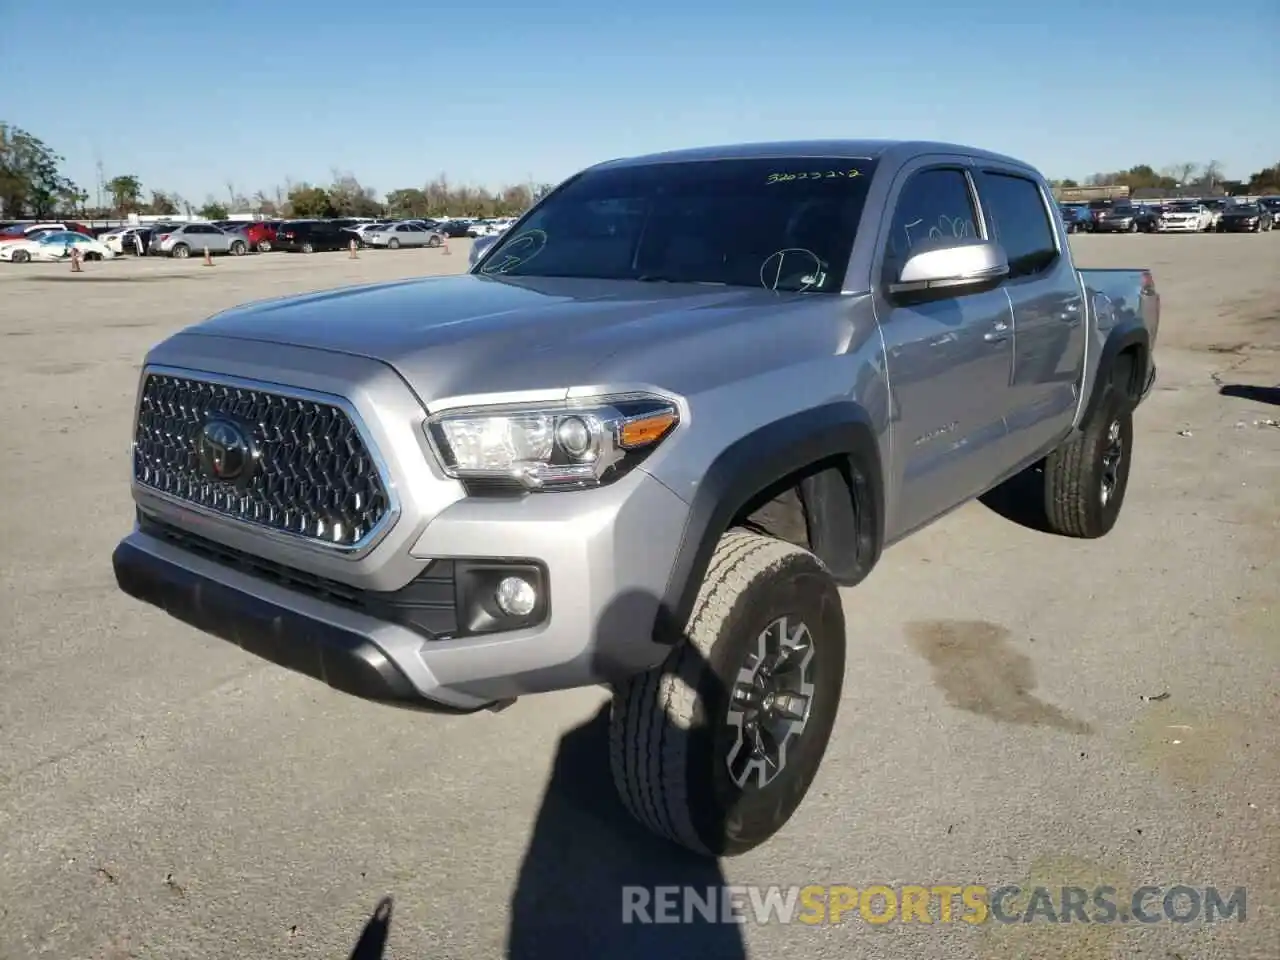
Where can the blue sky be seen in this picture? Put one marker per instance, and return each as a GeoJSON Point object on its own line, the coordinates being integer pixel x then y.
{"type": "Point", "coordinates": [191, 96]}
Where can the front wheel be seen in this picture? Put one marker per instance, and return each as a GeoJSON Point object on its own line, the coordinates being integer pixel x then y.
{"type": "Point", "coordinates": [716, 748]}
{"type": "Point", "coordinates": [433, 242]}
{"type": "Point", "coordinates": [21, 256]}
{"type": "Point", "coordinates": [92, 256]}
{"type": "Point", "coordinates": [1085, 479]}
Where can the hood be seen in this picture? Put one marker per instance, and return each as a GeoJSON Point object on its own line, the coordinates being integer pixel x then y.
{"type": "Point", "coordinates": [463, 335]}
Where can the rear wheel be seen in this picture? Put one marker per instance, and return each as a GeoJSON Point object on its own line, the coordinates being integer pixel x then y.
{"type": "Point", "coordinates": [1085, 479]}
{"type": "Point", "coordinates": [181, 251]}
{"type": "Point", "coordinates": [238, 248]}
{"type": "Point", "coordinates": [716, 748]}
{"type": "Point", "coordinates": [308, 248]}
{"type": "Point", "coordinates": [393, 244]}
{"type": "Point", "coordinates": [264, 246]}
{"type": "Point", "coordinates": [92, 256]}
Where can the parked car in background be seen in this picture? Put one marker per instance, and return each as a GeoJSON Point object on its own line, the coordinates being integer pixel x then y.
{"type": "Point", "coordinates": [456, 229]}
{"type": "Point", "coordinates": [184, 239]}
{"type": "Point", "coordinates": [20, 231]}
{"type": "Point", "coordinates": [1215, 208]}
{"type": "Point", "coordinates": [1183, 216]}
{"type": "Point", "coordinates": [1075, 217]}
{"type": "Point", "coordinates": [1117, 218]}
{"type": "Point", "coordinates": [259, 234]}
{"type": "Point", "coordinates": [1095, 208]}
{"type": "Point", "coordinates": [395, 235]}
{"type": "Point", "coordinates": [1246, 218]}
{"type": "Point", "coordinates": [314, 236]}
{"type": "Point", "coordinates": [55, 245]}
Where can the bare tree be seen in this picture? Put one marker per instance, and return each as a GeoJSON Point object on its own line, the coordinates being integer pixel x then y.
{"type": "Point", "coordinates": [1185, 172]}
{"type": "Point", "coordinates": [1212, 173]}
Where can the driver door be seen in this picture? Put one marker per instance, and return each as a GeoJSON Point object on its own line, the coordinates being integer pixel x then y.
{"type": "Point", "coordinates": [949, 358]}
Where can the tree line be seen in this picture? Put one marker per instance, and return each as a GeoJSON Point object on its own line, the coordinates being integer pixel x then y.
{"type": "Point", "coordinates": [32, 184]}
{"type": "Point", "coordinates": [1203, 177]}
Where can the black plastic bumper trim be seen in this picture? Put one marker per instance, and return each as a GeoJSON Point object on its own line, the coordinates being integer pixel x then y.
{"type": "Point", "coordinates": [341, 658]}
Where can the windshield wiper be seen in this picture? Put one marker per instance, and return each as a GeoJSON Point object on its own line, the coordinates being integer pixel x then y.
{"type": "Point", "coordinates": [663, 278]}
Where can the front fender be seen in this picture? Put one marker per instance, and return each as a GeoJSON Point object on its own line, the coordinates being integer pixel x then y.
{"type": "Point", "coordinates": [841, 429]}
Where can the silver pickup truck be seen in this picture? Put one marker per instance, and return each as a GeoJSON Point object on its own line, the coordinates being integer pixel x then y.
{"type": "Point", "coordinates": [641, 444]}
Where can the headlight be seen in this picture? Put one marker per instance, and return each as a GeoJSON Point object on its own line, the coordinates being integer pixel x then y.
{"type": "Point", "coordinates": [552, 446]}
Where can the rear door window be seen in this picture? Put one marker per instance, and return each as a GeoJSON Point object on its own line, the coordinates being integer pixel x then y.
{"type": "Point", "coordinates": [1021, 223]}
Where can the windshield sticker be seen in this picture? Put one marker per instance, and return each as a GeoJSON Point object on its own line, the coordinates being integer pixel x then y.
{"type": "Point", "coordinates": [519, 250]}
{"type": "Point", "coordinates": [813, 175]}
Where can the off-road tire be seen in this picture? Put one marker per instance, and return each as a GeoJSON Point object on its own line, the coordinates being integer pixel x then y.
{"type": "Point", "coordinates": [669, 738]}
{"type": "Point", "coordinates": [1073, 473]}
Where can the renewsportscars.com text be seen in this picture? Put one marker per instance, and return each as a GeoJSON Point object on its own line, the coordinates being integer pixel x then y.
{"type": "Point", "coordinates": [973, 904]}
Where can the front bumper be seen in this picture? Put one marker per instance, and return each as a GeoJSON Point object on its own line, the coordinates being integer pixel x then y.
{"type": "Point", "coordinates": [1239, 226]}
{"type": "Point", "coordinates": [263, 619]}
{"type": "Point", "coordinates": [605, 557]}
{"type": "Point", "coordinates": [1180, 226]}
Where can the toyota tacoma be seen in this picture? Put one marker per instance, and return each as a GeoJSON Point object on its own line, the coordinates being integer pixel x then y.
{"type": "Point", "coordinates": [642, 443]}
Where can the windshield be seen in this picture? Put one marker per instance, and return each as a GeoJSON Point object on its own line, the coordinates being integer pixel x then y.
{"type": "Point", "coordinates": [783, 224]}
{"type": "Point", "coordinates": [1246, 208]}
{"type": "Point", "coordinates": [1183, 208]}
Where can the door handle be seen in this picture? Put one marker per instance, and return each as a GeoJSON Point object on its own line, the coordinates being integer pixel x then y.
{"type": "Point", "coordinates": [997, 334]}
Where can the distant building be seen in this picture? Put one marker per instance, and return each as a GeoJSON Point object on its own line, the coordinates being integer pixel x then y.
{"type": "Point", "coordinates": [1116, 191]}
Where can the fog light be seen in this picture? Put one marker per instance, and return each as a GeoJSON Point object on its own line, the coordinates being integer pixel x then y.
{"type": "Point", "coordinates": [516, 597]}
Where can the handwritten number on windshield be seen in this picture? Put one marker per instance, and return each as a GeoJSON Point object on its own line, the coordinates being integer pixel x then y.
{"type": "Point", "coordinates": [813, 175]}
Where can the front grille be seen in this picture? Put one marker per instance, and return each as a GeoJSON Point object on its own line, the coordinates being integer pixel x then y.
{"type": "Point", "coordinates": [314, 476]}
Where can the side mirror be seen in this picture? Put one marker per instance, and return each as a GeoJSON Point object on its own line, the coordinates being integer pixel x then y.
{"type": "Point", "coordinates": [478, 247]}
{"type": "Point", "coordinates": [958, 267]}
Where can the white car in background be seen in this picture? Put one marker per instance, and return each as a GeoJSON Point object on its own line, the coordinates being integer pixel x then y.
{"type": "Point", "coordinates": [1184, 217]}
{"type": "Point", "coordinates": [56, 245]}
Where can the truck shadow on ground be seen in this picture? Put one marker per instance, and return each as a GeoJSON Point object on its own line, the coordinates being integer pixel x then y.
{"type": "Point", "coordinates": [584, 850]}
{"type": "Point", "coordinates": [1020, 499]}
{"type": "Point", "coordinates": [1244, 391]}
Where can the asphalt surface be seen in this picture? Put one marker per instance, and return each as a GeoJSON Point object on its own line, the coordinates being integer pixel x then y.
{"type": "Point", "coordinates": [165, 795]}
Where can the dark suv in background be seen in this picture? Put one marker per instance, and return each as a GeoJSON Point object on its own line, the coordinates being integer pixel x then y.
{"type": "Point", "coordinates": [314, 236]}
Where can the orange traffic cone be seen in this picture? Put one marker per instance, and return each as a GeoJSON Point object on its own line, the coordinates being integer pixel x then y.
{"type": "Point", "coordinates": [352, 246]}
{"type": "Point", "coordinates": [208, 260]}
{"type": "Point", "coordinates": [75, 260]}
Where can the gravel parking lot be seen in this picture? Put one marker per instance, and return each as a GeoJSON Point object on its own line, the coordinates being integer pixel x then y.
{"type": "Point", "coordinates": [165, 795]}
